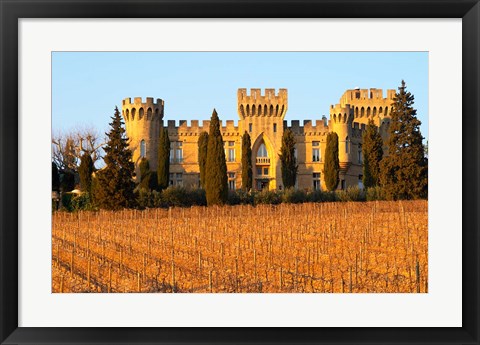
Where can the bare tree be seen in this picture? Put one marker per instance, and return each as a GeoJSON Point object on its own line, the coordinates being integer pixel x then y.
{"type": "Point", "coordinates": [68, 147]}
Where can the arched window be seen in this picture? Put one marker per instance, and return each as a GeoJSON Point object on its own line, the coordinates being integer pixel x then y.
{"type": "Point", "coordinates": [368, 111]}
{"type": "Point", "coordinates": [248, 109]}
{"type": "Point", "coordinates": [133, 113]}
{"type": "Point", "coordinates": [140, 113]}
{"type": "Point", "coordinates": [356, 112]}
{"type": "Point", "coordinates": [265, 110]}
{"type": "Point", "coordinates": [374, 111]}
{"type": "Point", "coordinates": [271, 110]}
{"type": "Point", "coordinates": [362, 112]}
{"type": "Point", "coordinates": [259, 110]}
{"type": "Point", "coordinates": [347, 145]}
{"type": "Point", "coordinates": [276, 111]}
{"type": "Point", "coordinates": [262, 151]}
{"type": "Point", "coordinates": [386, 111]}
{"type": "Point", "coordinates": [149, 113]}
{"type": "Point", "coordinates": [253, 110]}
{"type": "Point", "coordinates": [242, 110]}
{"type": "Point", "coordinates": [143, 149]}
{"type": "Point", "coordinates": [127, 114]}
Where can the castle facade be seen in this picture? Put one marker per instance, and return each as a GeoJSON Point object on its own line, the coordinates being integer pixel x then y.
{"type": "Point", "coordinates": [263, 117]}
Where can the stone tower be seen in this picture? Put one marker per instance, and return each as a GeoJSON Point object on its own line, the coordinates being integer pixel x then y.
{"type": "Point", "coordinates": [143, 122]}
{"type": "Point", "coordinates": [341, 119]}
{"type": "Point", "coordinates": [262, 117]}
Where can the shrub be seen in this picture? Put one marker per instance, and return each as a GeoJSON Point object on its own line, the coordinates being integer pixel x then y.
{"type": "Point", "coordinates": [321, 196]}
{"type": "Point", "coordinates": [180, 197]}
{"type": "Point", "coordinates": [82, 202]}
{"type": "Point", "coordinates": [267, 197]}
{"type": "Point", "coordinates": [67, 202]}
{"type": "Point", "coordinates": [376, 193]}
{"type": "Point", "coordinates": [294, 196]}
{"type": "Point", "coordinates": [352, 193]}
{"type": "Point", "coordinates": [144, 198]}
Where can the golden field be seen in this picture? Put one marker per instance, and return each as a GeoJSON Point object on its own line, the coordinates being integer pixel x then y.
{"type": "Point", "coordinates": [359, 247]}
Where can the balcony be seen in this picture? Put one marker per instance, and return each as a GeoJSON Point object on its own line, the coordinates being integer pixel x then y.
{"type": "Point", "coordinates": [263, 160]}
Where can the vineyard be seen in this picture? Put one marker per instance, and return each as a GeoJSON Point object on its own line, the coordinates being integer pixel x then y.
{"type": "Point", "coordinates": [314, 247]}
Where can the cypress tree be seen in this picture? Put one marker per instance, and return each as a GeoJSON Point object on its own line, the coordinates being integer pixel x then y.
{"type": "Point", "coordinates": [372, 155]}
{"type": "Point", "coordinates": [55, 178]}
{"type": "Point", "coordinates": [216, 181]}
{"type": "Point", "coordinates": [202, 156]}
{"type": "Point", "coordinates": [114, 184]}
{"type": "Point", "coordinates": [148, 179]}
{"type": "Point", "coordinates": [163, 168]}
{"type": "Point", "coordinates": [144, 168]}
{"type": "Point", "coordinates": [404, 170]}
{"type": "Point", "coordinates": [287, 158]}
{"type": "Point", "coordinates": [85, 171]}
{"type": "Point", "coordinates": [247, 175]}
{"type": "Point", "coordinates": [67, 181]}
{"type": "Point", "coordinates": [331, 167]}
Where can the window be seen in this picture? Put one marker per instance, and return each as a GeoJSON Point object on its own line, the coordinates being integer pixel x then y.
{"type": "Point", "coordinates": [259, 171]}
{"type": "Point", "coordinates": [143, 149]}
{"type": "Point", "coordinates": [274, 128]}
{"type": "Point", "coordinates": [250, 127]}
{"type": "Point", "coordinates": [342, 184]}
{"type": "Point", "coordinates": [347, 145]}
{"type": "Point", "coordinates": [176, 179]}
{"type": "Point", "coordinates": [179, 152]}
{"type": "Point", "coordinates": [262, 151]}
{"type": "Point", "coordinates": [231, 181]}
{"type": "Point", "coordinates": [231, 155]}
{"type": "Point", "coordinates": [265, 171]}
{"type": "Point", "coordinates": [360, 181]}
{"type": "Point", "coordinates": [172, 153]}
{"type": "Point", "coordinates": [360, 154]}
{"type": "Point", "coordinates": [179, 179]}
{"type": "Point", "coordinates": [316, 151]}
{"type": "Point", "coordinates": [231, 151]}
{"type": "Point", "coordinates": [316, 181]}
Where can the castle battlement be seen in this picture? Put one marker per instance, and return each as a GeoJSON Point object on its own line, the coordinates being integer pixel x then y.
{"type": "Point", "coordinates": [182, 127]}
{"type": "Point", "coordinates": [148, 110]}
{"type": "Point", "coordinates": [365, 95]}
{"type": "Point", "coordinates": [256, 104]}
{"type": "Point", "coordinates": [341, 114]}
{"type": "Point", "coordinates": [309, 127]}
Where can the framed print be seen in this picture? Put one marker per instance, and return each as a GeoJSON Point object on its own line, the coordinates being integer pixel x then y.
{"type": "Point", "coordinates": [322, 188]}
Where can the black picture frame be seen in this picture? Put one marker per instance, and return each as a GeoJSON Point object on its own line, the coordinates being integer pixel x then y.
{"type": "Point", "coordinates": [11, 11]}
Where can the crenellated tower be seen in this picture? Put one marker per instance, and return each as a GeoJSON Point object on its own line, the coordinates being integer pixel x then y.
{"type": "Point", "coordinates": [262, 117]}
{"type": "Point", "coordinates": [341, 120]}
{"type": "Point", "coordinates": [143, 121]}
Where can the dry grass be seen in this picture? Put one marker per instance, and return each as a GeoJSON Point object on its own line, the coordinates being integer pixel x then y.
{"type": "Point", "coordinates": [323, 247]}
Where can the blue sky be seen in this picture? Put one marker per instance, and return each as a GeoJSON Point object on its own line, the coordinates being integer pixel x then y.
{"type": "Point", "coordinates": [86, 86]}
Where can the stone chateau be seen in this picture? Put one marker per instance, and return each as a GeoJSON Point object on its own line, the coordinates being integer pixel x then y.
{"type": "Point", "coordinates": [263, 117]}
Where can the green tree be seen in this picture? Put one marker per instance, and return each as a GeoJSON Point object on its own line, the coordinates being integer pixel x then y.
{"type": "Point", "coordinates": [287, 159]}
{"type": "Point", "coordinates": [144, 168]}
{"type": "Point", "coordinates": [372, 155]}
{"type": "Point", "coordinates": [216, 181]}
{"type": "Point", "coordinates": [114, 183]}
{"type": "Point", "coordinates": [202, 156]}
{"type": "Point", "coordinates": [404, 170]}
{"type": "Point", "coordinates": [331, 167]}
{"type": "Point", "coordinates": [163, 168]}
{"type": "Point", "coordinates": [247, 175]}
{"type": "Point", "coordinates": [55, 178]}
{"type": "Point", "coordinates": [85, 171]}
{"type": "Point", "coordinates": [67, 181]}
{"type": "Point", "coordinates": [148, 179]}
